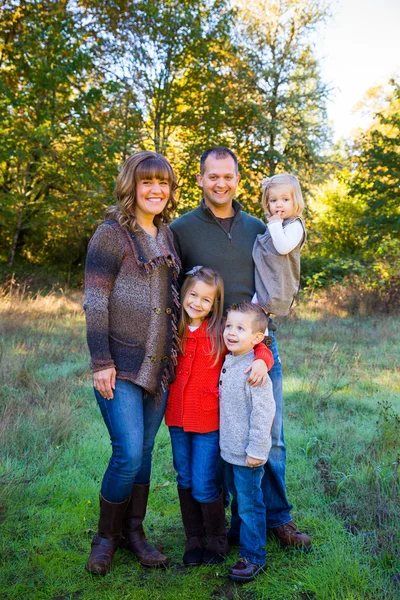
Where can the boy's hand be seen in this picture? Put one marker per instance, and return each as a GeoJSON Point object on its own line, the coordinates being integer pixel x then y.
{"type": "Point", "coordinates": [276, 217]}
{"type": "Point", "coordinates": [104, 382]}
{"type": "Point", "coordinates": [253, 462]}
{"type": "Point", "coordinates": [258, 373]}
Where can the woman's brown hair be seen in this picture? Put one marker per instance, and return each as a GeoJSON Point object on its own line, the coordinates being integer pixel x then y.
{"type": "Point", "coordinates": [139, 167]}
{"type": "Point", "coordinates": [214, 327]}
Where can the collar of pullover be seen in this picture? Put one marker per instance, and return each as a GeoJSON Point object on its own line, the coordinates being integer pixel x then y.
{"type": "Point", "coordinates": [206, 214]}
{"type": "Point", "coordinates": [235, 360]}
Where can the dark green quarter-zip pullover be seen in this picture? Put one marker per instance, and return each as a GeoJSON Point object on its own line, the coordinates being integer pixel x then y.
{"type": "Point", "coordinates": [201, 240]}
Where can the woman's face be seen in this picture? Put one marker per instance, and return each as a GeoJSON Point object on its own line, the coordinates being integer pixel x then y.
{"type": "Point", "coordinates": [152, 196]}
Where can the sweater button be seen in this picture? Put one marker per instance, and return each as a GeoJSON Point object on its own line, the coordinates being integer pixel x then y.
{"type": "Point", "coordinates": [157, 311]}
{"type": "Point", "coordinates": [168, 311]}
{"type": "Point", "coordinates": [224, 370]}
{"type": "Point", "coordinates": [165, 359]}
{"type": "Point", "coordinates": [220, 382]}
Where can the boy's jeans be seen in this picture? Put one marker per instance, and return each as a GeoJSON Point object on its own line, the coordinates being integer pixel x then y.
{"type": "Point", "coordinates": [244, 484]}
{"type": "Point", "coordinates": [132, 423]}
{"type": "Point", "coordinates": [195, 458]}
{"type": "Point", "coordinates": [273, 482]}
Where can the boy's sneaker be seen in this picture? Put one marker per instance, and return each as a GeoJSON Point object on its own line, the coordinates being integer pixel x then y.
{"type": "Point", "coordinates": [289, 535]}
{"type": "Point", "coordinates": [244, 571]}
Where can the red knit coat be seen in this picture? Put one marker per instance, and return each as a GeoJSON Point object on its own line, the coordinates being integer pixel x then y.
{"type": "Point", "coordinates": [193, 401]}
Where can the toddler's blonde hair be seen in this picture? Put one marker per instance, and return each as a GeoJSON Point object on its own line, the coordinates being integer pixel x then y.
{"type": "Point", "coordinates": [283, 179]}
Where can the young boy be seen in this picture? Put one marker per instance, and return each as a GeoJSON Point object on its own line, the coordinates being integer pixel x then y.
{"type": "Point", "coordinates": [246, 416]}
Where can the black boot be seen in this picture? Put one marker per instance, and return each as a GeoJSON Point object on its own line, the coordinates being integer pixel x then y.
{"type": "Point", "coordinates": [133, 536]}
{"type": "Point", "coordinates": [106, 541]}
{"type": "Point", "coordinates": [214, 523]}
{"type": "Point", "coordinates": [192, 518]}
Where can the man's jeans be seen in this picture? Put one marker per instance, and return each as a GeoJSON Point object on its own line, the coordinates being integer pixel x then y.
{"type": "Point", "coordinates": [273, 482]}
{"type": "Point", "coordinates": [244, 484]}
{"type": "Point", "coordinates": [132, 422]}
{"type": "Point", "coordinates": [195, 459]}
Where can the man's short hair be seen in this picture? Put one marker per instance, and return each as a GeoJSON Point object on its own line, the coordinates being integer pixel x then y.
{"type": "Point", "coordinates": [259, 316]}
{"type": "Point", "coordinates": [218, 152]}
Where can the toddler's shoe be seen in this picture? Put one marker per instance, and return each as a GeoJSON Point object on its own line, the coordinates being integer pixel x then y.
{"type": "Point", "coordinates": [244, 571]}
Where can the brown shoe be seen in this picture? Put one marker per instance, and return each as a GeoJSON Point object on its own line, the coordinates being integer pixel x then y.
{"type": "Point", "coordinates": [106, 541]}
{"type": "Point", "coordinates": [289, 535]}
{"type": "Point", "coordinates": [244, 571]}
{"type": "Point", "coordinates": [133, 536]}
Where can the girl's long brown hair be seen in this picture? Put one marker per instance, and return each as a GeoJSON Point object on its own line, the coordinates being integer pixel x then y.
{"type": "Point", "coordinates": [139, 167]}
{"type": "Point", "coordinates": [214, 327]}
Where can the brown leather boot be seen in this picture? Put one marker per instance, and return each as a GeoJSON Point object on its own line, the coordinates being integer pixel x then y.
{"type": "Point", "coordinates": [192, 518]}
{"type": "Point", "coordinates": [214, 523]}
{"type": "Point", "coordinates": [106, 541]}
{"type": "Point", "coordinates": [133, 536]}
{"type": "Point", "coordinates": [289, 535]}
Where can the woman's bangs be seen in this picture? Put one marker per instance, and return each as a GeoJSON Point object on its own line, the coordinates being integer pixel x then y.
{"type": "Point", "coordinates": [152, 167]}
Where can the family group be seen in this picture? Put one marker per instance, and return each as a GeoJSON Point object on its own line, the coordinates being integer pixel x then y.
{"type": "Point", "coordinates": [179, 327]}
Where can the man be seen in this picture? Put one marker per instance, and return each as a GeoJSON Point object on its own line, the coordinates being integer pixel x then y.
{"type": "Point", "coordinates": [219, 234]}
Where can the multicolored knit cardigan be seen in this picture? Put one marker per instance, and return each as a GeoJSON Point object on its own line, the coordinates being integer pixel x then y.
{"type": "Point", "coordinates": [132, 304]}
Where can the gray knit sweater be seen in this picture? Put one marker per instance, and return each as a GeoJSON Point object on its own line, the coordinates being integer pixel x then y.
{"type": "Point", "coordinates": [246, 413]}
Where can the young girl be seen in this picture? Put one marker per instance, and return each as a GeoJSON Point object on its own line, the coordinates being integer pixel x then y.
{"type": "Point", "coordinates": [192, 415]}
{"type": "Point", "coordinates": [276, 252]}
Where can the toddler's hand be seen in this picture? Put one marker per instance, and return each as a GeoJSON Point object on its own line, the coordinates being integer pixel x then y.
{"type": "Point", "coordinates": [253, 462]}
{"type": "Point", "coordinates": [275, 217]}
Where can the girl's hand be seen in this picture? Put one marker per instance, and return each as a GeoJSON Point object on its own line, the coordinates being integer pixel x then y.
{"type": "Point", "coordinates": [104, 382]}
{"type": "Point", "coordinates": [258, 373]}
{"type": "Point", "coordinates": [276, 217]}
{"type": "Point", "coordinates": [253, 462]}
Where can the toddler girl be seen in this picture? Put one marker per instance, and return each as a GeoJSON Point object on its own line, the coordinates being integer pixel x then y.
{"type": "Point", "coordinates": [276, 252]}
{"type": "Point", "coordinates": [192, 415]}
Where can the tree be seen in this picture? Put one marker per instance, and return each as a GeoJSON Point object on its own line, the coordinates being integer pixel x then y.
{"type": "Point", "coordinates": [376, 171]}
{"type": "Point", "coordinates": [282, 89]}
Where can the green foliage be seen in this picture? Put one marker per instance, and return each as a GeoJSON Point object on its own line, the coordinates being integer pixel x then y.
{"type": "Point", "coordinates": [84, 84]}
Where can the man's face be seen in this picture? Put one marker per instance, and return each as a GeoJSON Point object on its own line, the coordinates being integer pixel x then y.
{"type": "Point", "coordinates": [219, 182]}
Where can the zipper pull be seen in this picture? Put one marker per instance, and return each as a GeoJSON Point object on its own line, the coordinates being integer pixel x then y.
{"type": "Point", "coordinates": [229, 237]}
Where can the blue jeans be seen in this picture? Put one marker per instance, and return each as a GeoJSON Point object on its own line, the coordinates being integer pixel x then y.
{"type": "Point", "coordinates": [273, 482]}
{"type": "Point", "coordinates": [132, 422]}
{"type": "Point", "coordinates": [245, 486]}
{"type": "Point", "coordinates": [195, 462]}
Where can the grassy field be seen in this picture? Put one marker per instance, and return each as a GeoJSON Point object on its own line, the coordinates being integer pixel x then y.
{"type": "Point", "coordinates": [342, 406]}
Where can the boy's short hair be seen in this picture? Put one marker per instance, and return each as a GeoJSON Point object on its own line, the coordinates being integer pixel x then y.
{"type": "Point", "coordinates": [259, 316]}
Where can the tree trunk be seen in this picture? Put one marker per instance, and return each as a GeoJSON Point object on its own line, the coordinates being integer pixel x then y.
{"type": "Point", "coordinates": [15, 239]}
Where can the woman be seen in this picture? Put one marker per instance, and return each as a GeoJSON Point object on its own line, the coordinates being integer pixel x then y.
{"type": "Point", "coordinates": [131, 306]}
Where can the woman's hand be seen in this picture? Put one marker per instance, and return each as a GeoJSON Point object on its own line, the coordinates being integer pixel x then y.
{"type": "Point", "coordinates": [258, 373]}
{"type": "Point", "coordinates": [104, 382]}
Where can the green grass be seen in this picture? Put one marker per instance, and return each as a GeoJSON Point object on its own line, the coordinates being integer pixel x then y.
{"type": "Point", "coordinates": [342, 432]}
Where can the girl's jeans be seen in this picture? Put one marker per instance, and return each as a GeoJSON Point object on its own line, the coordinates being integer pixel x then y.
{"type": "Point", "coordinates": [244, 484]}
{"type": "Point", "coordinates": [132, 422]}
{"type": "Point", "coordinates": [195, 461]}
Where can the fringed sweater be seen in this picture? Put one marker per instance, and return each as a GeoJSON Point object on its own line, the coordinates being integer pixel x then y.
{"type": "Point", "coordinates": [132, 303]}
